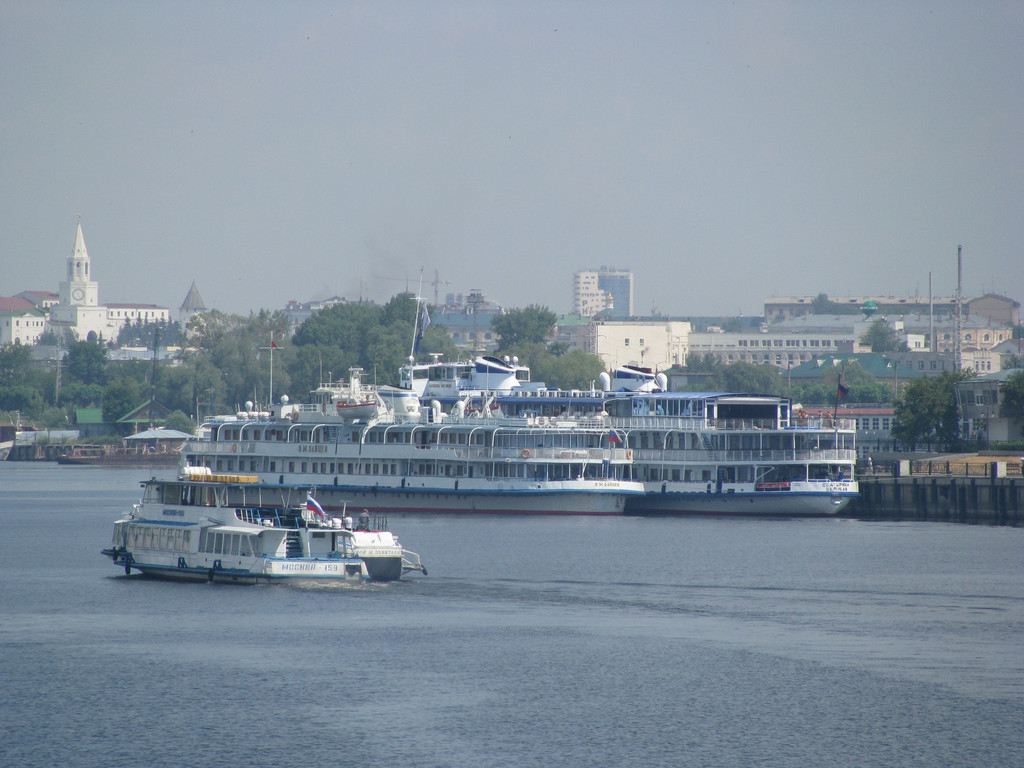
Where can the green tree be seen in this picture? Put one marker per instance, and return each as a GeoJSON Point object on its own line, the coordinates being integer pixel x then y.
{"type": "Point", "coordinates": [374, 338]}
{"type": "Point", "coordinates": [21, 397]}
{"type": "Point", "coordinates": [229, 356]}
{"type": "Point", "coordinates": [823, 305]}
{"type": "Point", "coordinates": [749, 378]}
{"type": "Point", "coordinates": [119, 397]}
{"type": "Point", "coordinates": [881, 337]}
{"type": "Point", "coordinates": [703, 363]}
{"type": "Point", "coordinates": [863, 387]}
{"type": "Point", "coordinates": [146, 333]}
{"type": "Point", "coordinates": [573, 370]}
{"type": "Point", "coordinates": [534, 324]}
{"type": "Point", "coordinates": [75, 394]}
{"type": "Point", "coordinates": [86, 363]}
{"type": "Point", "coordinates": [15, 362]}
{"type": "Point", "coordinates": [179, 421]}
{"type": "Point", "coordinates": [928, 412]}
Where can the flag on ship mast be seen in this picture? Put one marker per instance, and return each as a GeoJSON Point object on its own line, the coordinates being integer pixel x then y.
{"type": "Point", "coordinates": [312, 505]}
{"type": "Point", "coordinates": [841, 391]}
{"type": "Point", "coordinates": [424, 324]}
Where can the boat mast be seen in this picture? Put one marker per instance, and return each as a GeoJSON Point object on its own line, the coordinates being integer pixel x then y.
{"type": "Point", "coordinates": [416, 319]}
{"type": "Point", "coordinates": [272, 347]}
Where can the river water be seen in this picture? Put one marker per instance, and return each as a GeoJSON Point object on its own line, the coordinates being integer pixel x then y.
{"type": "Point", "coordinates": [533, 642]}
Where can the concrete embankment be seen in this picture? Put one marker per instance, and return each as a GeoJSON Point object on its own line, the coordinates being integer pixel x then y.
{"type": "Point", "coordinates": [992, 497]}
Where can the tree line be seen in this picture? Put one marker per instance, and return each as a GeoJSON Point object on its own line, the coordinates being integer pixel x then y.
{"type": "Point", "coordinates": [225, 360]}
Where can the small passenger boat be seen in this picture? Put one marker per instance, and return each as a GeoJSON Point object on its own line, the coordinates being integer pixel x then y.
{"type": "Point", "coordinates": [207, 527]}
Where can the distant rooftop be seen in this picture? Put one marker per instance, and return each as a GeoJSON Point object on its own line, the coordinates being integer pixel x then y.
{"type": "Point", "coordinates": [193, 301]}
{"type": "Point", "coordinates": [14, 304]}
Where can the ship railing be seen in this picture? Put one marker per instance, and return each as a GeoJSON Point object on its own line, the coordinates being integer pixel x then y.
{"type": "Point", "coordinates": [822, 422]}
{"type": "Point", "coordinates": [698, 455]}
{"type": "Point", "coordinates": [411, 562]}
{"type": "Point", "coordinates": [544, 453]}
{"type": "Point", "coordinates": [694, 424]}
{"type": "Point", "coordinates": [685, 423]}
{"type": "Point", "coordinates": [222, 446]}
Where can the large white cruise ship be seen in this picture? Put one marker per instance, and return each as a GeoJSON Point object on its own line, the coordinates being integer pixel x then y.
{"type": "Point", "coordinates": [695, 453]}
{"type": "Point", "coordinates": [376, 449]}
{"type": "Point", "coordinates": [488, 440]}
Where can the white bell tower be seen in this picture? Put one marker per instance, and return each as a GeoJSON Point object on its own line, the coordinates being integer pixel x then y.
{"type": "Point", "coordinates": [79, 289]}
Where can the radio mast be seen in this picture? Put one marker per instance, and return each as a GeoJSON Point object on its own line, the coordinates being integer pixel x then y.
{"type": "Point", "coordinates": [958, 318]}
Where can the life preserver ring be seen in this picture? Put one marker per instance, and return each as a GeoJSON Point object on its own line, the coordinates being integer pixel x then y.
{"type": "Point", "coordinates": [234, 448]}
{"type": "Point", "coordinates": [295, 415]}
{"type": "Point", "coordinates": [629, 455]}
{"type": "Point", "coordinates": [525, 453]}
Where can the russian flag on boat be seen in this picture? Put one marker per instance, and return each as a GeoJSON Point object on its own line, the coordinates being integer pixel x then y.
{"type": "Point", "coordinates": [613, 438]}
{"type": "Point", "coordinates": [313, 506]}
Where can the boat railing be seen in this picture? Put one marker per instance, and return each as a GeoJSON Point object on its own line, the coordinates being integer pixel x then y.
{"type": "Point", "coordinates": [543, 453]}
{"type": "Point", "coordinates": [822, 422]}
{"type": "Point", "coordinates": [698, 455]}
{"type": "Point", "coordinates": [692, 424]}
{"type": "Point", "coordinates": [224, 446]}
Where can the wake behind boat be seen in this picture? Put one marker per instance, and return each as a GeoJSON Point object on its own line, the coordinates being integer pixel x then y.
{"type": "Point", "coordinates": [207, 527]}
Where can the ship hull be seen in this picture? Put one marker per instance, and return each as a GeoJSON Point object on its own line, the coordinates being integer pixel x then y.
{"type": "Point", "coordinates": [510, 500]}
{"type": "Point", "coordinates": [770, 504]}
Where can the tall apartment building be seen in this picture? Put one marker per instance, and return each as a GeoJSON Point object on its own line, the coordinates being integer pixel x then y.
{"type": "Point", "coordinates": [607, 291]}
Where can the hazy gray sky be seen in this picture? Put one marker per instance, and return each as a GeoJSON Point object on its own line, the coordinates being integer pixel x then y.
{"type": "Point", "coordinates": [724, 152]}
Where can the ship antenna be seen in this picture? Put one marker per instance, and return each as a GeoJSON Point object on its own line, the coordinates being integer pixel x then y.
{"type": "Point", "coordinates": [416, 319]}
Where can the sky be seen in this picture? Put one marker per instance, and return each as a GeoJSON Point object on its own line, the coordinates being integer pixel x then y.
{"type": "Point", "coordinates": [724, 152]}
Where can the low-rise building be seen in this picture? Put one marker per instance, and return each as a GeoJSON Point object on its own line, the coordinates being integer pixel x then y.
{"type": "Point", "coordinates": [874, 425]}
{"type": "Point", "coordinates": [20, 321]}
{"type": "Point", "coordinates": [997, 309]}
{"type": "Point", "coordinates": [981, 409]}
{"type": "Point", "coordinates": [656, 343]}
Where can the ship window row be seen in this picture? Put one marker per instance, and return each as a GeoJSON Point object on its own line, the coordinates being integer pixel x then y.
{"type": "Point", "coordinates": [747, 473]}
{"type": "Point", "coordinates": [322, 435]}
{"type": "Point", "coordinates": [218, 543]}
{"type": "Point", "coordinates": [432, 468]}
{"type": "Point", "coordinates": [313, 467]}
{"type": "Point", "coordinates": [182, 495]}
{"type": "Point", "coordinates": [153, 537]}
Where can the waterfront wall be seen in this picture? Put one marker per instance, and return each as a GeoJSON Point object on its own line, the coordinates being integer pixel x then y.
{"type": "Point", "coordinates": [994, 498]}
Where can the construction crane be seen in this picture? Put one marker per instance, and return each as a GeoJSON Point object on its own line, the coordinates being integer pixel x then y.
{"type": "Point", "coordinates": [436, 282]}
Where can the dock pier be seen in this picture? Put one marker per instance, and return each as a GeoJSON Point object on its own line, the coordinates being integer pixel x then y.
{"type": "Point", "coordinates": [989, 492]}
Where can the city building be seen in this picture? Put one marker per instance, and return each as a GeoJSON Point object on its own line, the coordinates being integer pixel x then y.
{"type": "Point", "coordinates": [467, 320]}
{"type": "Point", "coordinates": [607, 291]}
{"type": "Point", "coordinates": [300, 311]}
{"type": "Point", "coordinates": [874, 425]}
{"type": "Point", "coordinates": [20, 321]}
{"type": "Point", "coordinates": [881, 367]}
{"type": "Point", "coordinates": [981, 409]}
{"type": "Point", "coordinates": [40, 299]}
{"type": "Point", "coordinates": [791, 342]}
{"type": "Point", "coordinates": [771, 346]}
{"type": "Point", "coordinates": [1000, 310]}
{"type": "Point", "coordinates": [78, 308]}
{"type": "Point", "coordinates": [656, 343]}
